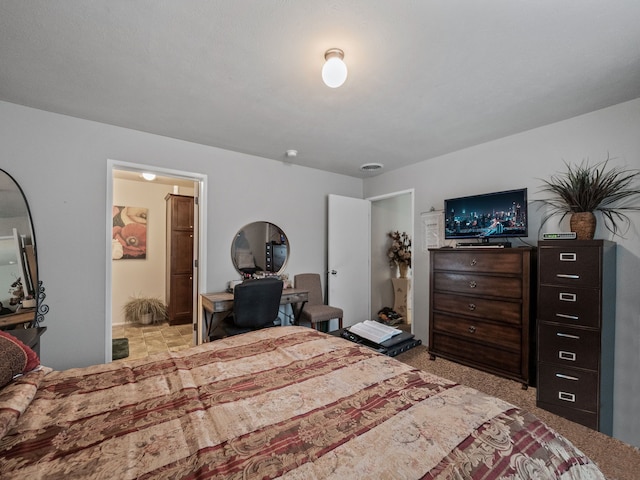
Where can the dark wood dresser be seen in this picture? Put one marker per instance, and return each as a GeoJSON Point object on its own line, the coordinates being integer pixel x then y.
{"type": "Point", "coordinates": [576, 330]}
{"type": "Point", "coordinates": [180, 259]}
{"type": "Point", "coordinates": [29, 336]}
{"type": "Point", "coordinates": [481, 310]}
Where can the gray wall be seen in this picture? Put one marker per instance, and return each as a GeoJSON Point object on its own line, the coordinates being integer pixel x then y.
{"type": "Point", "coordinates": [61, 164]}
{"type": "Point", "coordinates": [520, 161]}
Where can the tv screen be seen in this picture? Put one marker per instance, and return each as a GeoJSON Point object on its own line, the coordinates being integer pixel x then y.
{"type": "Point", "coordinates": [497, 214]}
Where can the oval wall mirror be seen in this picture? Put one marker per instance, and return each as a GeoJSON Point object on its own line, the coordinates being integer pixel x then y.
{"type": "Point", "coordinates": [260, 247]}
{"type": "Point", "coordinates": [18, 264]}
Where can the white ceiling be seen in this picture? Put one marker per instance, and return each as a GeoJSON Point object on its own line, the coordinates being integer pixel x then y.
{"type": "Point", "coordinates": [425, 77]}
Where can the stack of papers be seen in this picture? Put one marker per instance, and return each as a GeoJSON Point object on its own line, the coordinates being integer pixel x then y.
{"type": "Point", "coordinates": [374, 331]}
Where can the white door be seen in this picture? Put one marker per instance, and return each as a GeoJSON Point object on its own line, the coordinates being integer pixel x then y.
{"type": "Point", "coordinates": [349, 258]}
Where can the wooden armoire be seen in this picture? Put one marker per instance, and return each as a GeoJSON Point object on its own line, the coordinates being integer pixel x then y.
{"type": "Point", "coordinates": [180, 261]}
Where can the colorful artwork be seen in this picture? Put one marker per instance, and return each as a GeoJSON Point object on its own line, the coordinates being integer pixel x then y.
{"type": "Point", "coordinates": [129, 238]}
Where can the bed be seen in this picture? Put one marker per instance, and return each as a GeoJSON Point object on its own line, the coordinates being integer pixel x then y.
{"type": "Point", "coordinates": [284, 402]}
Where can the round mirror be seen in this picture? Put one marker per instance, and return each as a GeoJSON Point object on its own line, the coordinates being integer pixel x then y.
{"type": "Point", "coordinates": [260, 247]}
{"type": "Point", "coordinates": [18, 265]}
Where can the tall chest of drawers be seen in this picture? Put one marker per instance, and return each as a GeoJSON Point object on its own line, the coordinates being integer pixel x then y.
{"type": "Point", "coordinates": [481, 309]}
{"type": "Point", "coordinates": [576, 330]}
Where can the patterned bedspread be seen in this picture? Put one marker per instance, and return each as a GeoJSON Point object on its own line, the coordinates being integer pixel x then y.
{"type": "Point", "coordinates": [285, 402]}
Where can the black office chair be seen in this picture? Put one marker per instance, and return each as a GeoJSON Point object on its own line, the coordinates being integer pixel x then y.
{"type": "Point", "coordinates": [256, 304]}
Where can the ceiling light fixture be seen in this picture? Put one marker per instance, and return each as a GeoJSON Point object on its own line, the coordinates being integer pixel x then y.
{"type": "Point", "coordinates": [334, 71]}
{"type": "Point", "coordinates": [149, 176]}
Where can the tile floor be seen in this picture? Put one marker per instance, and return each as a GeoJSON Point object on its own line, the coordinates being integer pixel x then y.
{"type": "Point", "coordinates": [147, 339]}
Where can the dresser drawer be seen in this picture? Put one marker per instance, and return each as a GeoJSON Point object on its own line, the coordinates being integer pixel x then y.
{"type": "Point", "coordinates": [478, 356]}
{"type": "Point", "coordinates": [588, 419]}
{"type": "Point", "coordinates": [570, 305]}
{"type": "Point", "coordinates": [508, 287]}
{"type": "Point", "coordinates": [478, 331]}
{"type": "Point", "coordinates": [567, 346]}
{"type": "Point", "coordinates": [478, 261]}
{"type": "Point", "coordinates": [569, 387]}
{"type": "Point", "coordinates": [504, 311]}
{"type": "Point", "coordinates": [574, 266]}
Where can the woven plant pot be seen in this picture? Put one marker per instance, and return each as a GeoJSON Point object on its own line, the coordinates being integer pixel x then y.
{"type": "Point", "coordinates": [583, 224]}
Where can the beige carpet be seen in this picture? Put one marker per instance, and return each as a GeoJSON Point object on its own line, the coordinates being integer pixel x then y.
{"type": "Point", "coordinates": [617, 460]}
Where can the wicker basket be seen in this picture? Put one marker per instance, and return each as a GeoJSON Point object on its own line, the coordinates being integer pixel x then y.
{"type": "Point", "coordinates": [583, 224]}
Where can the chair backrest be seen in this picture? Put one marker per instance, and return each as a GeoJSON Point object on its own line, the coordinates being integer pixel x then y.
{"type": "Point", "coordinates": [311, 282]}
{"type": "Point", "coordinates": [256, 303]}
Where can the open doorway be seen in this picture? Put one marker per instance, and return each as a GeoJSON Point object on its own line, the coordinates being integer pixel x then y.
{"type": "Point", "coordinates": [391, 213]}
{"type": "Point", "coordinates": [138, 257]}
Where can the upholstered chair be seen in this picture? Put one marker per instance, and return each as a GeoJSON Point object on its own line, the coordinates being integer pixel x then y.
{"type": "Point", "coordinates": [315, 310]}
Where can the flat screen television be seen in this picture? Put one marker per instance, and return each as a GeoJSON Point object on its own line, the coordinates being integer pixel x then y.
{"type": "Point", "coordinates": [486, 216]}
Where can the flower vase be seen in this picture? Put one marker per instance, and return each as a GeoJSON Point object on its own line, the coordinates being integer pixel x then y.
{"type": "Point", "coordinates": [404, 270]}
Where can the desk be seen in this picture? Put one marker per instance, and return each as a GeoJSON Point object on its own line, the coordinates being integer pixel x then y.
{"type": "Point", "coordinates": [216, 306]}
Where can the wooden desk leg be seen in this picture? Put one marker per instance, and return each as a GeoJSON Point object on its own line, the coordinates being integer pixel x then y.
{"type": "Point", "coordinates": [215, 319]}
{"type": "Point", "coordinates": [297, 311]}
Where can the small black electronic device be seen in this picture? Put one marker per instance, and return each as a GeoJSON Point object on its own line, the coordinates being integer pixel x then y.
{"type": "Point", "coordinates": [559, 236]}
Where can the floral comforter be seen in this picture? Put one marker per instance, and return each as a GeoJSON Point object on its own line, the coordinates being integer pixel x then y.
{"type": "Point", "coordinates": [284, 402]}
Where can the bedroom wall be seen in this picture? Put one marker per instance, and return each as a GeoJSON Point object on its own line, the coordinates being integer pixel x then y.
{"type": "Point", "coordinates": [520, 161]}
{"type": "Point", "coordinates": [61, 164]}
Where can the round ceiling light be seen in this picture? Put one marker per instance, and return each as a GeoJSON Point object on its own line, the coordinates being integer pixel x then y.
{"type": "Point", "coordinates": [149, 176]}
{"type": "Point", "coordinates": [334, 71]}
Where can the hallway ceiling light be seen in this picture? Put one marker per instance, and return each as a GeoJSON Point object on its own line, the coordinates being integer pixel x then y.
{"type": "Point", "coordinates": [149, 176]}
{"type": "Point", "coordinates": [334, 71]}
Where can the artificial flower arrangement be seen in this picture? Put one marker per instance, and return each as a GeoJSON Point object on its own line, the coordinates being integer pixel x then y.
{"type": "Point", "coordinates": [399, 252]}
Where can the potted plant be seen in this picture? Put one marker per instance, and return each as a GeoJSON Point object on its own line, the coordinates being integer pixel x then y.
{"type": "Point", "coordinates": [585, 189]}
{"type": "Point", "coordinates": [145, 310]}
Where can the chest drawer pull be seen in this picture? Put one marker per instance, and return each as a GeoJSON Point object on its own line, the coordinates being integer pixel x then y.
{"type": "Point", "coordinates": [568, 335]}
{"type": "Point", "coordinates": [473, 284]}
{"type": "Point", "coordinates": [472, 329]}
{"type": "Point", "coordinates": [567, 297]}
{"type": "Point", "coordinates": [567, 377]}
{"type": "Point", "coordinates": [568, 257]}
{"type": "Point", "coordinates": [567, 397]}
{"type": "Point", "coordinates": [473, 262]}
{"type": "Point", "coordinates": [568, 275]}
{"type": "Point", "coordinates": [570, 317]}
{"type": "Point", "coordinates": [567, 356]}
{"type": "Point", "coordinates": [472, 306]}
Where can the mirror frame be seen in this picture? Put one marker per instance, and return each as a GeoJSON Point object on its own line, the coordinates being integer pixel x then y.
{"type": "Point", "coordinates": [258, 265]}
{"type": "Point", "coordinates": [31, 269]}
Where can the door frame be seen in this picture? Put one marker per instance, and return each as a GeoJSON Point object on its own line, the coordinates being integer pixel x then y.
{"type": "Point", "coordinates": [412, 193]}
{"type": "Point", "coordinates": [201, 232]}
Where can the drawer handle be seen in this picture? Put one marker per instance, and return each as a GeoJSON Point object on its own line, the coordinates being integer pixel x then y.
{"type": "Point", "coordinates": [567, 356]}
{"type": "Point", "coordinates": [567, 397]}
{"type": "Point", "coordinates": [472, 329]}
{"type": "Point", "coordinates": [567, 377]}
{"type": "Point", "coordinates": [568, 257]}
{"type": "Point", "coordinates": [473, 262]}
{"type": "Point", "coordinates": [472, 306]}
{"type": "Point", "coordinates": [567, 297]}
{"type": "Point", "coordinates": [473, 284]}
{"type": "Point", "coordinates": [568, 335]}
{"type": "Point", "coordinates": [570, 317]}
{"type": "Point", "coordinates": [567, 275]}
